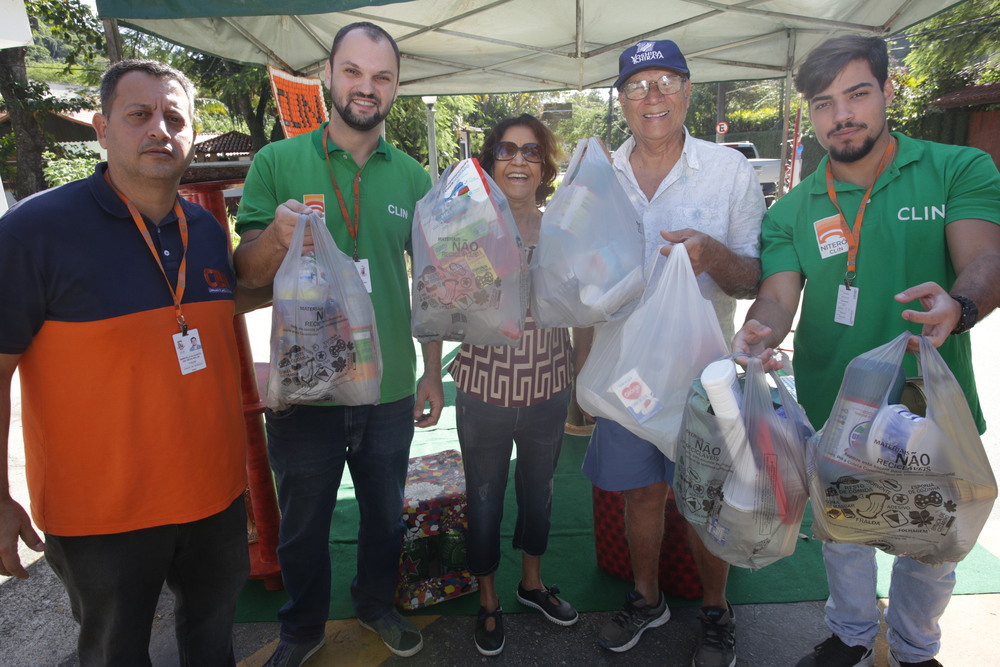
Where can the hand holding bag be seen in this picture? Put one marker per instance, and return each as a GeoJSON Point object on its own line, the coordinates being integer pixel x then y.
{"type": "Point", "coordinates": [884, 477]}
{"type": "Point", "coordinates": [588, 265]}
{"type": "Point", "coordinates": [324, 344]}
{"type": "Point", "coordinates": [640, 368]}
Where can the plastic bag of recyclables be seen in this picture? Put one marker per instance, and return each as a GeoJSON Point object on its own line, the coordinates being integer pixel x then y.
{"type": "Point", "coordinates": [740, 478]}
{"type": "Point", "coordinates": [911, 485]}
{"type": "Point", "coordinates": [588, 265]}
{"type": "Point", "coordinates": [324, 344]}
{"type": "Point", "coordinates": [634, 374]}
{"type": "Point", "coordinates": [470, 278]}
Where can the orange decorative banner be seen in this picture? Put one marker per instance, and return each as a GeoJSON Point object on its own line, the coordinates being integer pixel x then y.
{"type": "Point", "coordinates": [300, 101]}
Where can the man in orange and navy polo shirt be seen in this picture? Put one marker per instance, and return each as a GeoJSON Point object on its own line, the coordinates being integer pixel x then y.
{"type": "Point", "coordinates": [134, 437]}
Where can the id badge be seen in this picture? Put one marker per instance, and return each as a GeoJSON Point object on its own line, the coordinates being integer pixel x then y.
{"type": "Point", "coordinates": [190, 354]}
{"type": "Point", "coordinates": [366, 277]}
{"type": "Point", "coordinates": [847, 305]}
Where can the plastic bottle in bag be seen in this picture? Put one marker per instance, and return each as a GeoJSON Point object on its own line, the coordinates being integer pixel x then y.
{"type": "Point", "coordinates": [867, 382]}
{"type": "Point", "coordinates": [723, 389]}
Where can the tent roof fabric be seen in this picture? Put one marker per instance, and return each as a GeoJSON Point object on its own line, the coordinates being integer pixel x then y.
{"type": "Point", "coordinates": [492, 46]}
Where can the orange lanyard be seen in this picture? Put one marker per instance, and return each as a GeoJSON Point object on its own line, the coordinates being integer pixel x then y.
{"type": "Point", "coordinates": [178, 293]}
{"type": "Point", "coordinates": [853, 236]}
{"type": "Point", "coordinates": [352, 225]}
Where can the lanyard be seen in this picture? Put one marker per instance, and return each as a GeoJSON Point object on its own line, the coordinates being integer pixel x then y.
{"type": "Point", "coordinates": [352, 225]}
{"type": "Point", "coordinates": [176, 294]}
{"type": "Point", "coordinates": [853, 236]}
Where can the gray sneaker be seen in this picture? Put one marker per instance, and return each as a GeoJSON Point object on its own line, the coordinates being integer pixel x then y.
{"type": "Point", "coordinates": [293, 655]}
{"type": "Point", "coordinates": [398, 634]}
{"type": "Point", "coordinates": [622, 632]}
{"type": "Point", "coordinates": [717, 646]}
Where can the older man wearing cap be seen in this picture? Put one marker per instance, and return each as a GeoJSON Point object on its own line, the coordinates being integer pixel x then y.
{"type": "Point", "coordinates": [707, 197]}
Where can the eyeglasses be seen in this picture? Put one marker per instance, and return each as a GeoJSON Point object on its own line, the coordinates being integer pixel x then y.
{"type": "Point", "coordinates": [668, 84]}
{"type": "Point", "coordinates": [508, 150]}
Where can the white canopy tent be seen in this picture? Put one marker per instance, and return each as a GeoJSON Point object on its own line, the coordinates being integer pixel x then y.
{"type": "Point", "coordinates": [493, 46]}
{"type": "Point", "coordinates": [14, 27]}
{"type": "Point", "coordinates": [489, 46]}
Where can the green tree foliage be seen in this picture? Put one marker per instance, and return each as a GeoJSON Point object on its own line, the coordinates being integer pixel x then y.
{"type": "Point", "coordinates": [590, 118]}
{"type": "Point", "coordinates": [955, 49]}
{"type": "Point", "coordinates": [28, 102]}
{"type": "Point", "coordinates": [406, 126]}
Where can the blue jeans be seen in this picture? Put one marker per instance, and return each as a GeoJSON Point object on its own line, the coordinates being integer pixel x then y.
{"type": "Point", "coordinates": [308, 446]}
{"type": "Point", "coordinates": [114, 583]}
{"type": "Point", "coordinates": [486, 434]}
{"type": "Point", "coordinates": [918, 595]}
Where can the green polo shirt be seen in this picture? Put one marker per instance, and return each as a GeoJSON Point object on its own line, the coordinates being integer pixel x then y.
{"type": "Point", "coordinates": [903, 244]}
{"type": "Point", "coordinates": [391, 184]}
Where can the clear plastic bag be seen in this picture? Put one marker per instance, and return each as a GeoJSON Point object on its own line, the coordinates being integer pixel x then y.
{"type": "Point", "coordinates": [640, 367]}
{"type": "Point", "coordinates": [884, 477]}
{"type": "Point", "coordinates": [470, 279]}
{"type": "Point", "coordinates": [740, 478]}
{"type": "Point", "coordinates": [324, 344]}
{"type": "Point", "coordinates": [588, 265]}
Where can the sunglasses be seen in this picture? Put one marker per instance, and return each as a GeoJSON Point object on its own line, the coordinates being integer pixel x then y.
{"type": "Point", "coordinates": [508, 150]}
{"type": "Point", "coordinates": [668, 84]}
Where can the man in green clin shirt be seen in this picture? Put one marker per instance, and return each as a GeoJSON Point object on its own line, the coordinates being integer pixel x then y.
{"type": "Point", "coordinates": [368, 191]}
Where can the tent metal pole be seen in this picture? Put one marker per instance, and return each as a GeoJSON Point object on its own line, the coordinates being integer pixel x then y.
{"type": "Point", "coordinates": [786, 110]}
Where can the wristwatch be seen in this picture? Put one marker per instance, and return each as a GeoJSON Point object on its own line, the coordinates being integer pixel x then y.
{"type": "Point", "coordinates": [969, 316]}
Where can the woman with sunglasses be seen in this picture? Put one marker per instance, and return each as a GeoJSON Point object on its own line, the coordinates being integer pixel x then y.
{"type": "Point", "coordinates": [511, 395]}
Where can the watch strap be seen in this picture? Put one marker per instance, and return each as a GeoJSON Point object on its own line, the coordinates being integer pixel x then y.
{"type": "Point", "coordinates": [969, 315]}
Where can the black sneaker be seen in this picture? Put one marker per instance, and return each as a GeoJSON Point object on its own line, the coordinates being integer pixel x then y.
{"type": "Point", "coordinates": [896, 662]}
{"type": "Point", "coordinates": [835, 653]}
{"type": "Point", "coordinates": [635, 617]}
{"type": "Point", "coordinates": [717, 647]}
{"type": "Point", "coordinates": [293, 655]}
{"type": "Point", "coordinates": [559, 612]}
{"type": "Point", "coordinates": [490, 642]}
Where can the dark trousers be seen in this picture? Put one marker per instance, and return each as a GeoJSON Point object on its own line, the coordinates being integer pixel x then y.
{"type": "Point", "coordinates": [487, 435]}
{"type": "Point", "coordinates": [114, 583]}
{"type": "Point", "coordinates": [308, 446]}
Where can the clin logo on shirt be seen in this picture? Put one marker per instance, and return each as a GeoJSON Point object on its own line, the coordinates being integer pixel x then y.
{"type": "Point", "coordinates": [830, 237]}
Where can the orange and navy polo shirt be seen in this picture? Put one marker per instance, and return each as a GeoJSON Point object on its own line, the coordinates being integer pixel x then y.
{"type": "Point", "coordinates": [116, 439]}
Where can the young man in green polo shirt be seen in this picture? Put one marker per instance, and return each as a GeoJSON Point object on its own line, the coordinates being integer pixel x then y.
{"type": "Point", "coordinates": [929, 232]}
{"type": "Point", "coordinates": [367, 190]}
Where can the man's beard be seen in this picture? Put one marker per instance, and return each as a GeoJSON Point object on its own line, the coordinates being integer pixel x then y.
{"type": "Point", "coordinates": [853, 153]}
{"type": "Point", "coordinates": [361, 123]}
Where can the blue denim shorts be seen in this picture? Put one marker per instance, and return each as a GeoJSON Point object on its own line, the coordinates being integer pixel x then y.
{"type": "Point", "coordinates": [619, 460]}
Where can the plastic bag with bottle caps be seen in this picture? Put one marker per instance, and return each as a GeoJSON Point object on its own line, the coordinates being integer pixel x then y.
{"type": "Point", "coordinates": [883, 476]}
{"type": "Point", "coordinates": [740, 478]}
{"type": "Point", "coordinates": [324, 343]}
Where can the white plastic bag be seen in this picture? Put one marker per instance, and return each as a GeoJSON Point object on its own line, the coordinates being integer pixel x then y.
{"type": "Point", "coordinates": [587, 267]}
{"type": "Point", "coordinates": [740, 478]}
{"type": "Point", "coordinates": [324, 344]}
{"type": "Point", "coordinates": [640, 367]}
{"type": "Point", "coordinates": [470, 279]}
{"type": "Point", "coordinates": [884, 477]}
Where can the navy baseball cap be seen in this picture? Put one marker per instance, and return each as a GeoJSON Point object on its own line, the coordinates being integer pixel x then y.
{"type": "Point", "coordinates": [645, 55]}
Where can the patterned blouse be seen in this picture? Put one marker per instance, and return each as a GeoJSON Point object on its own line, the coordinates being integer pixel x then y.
{"type": "Point", "coordinates": [516, 377]}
